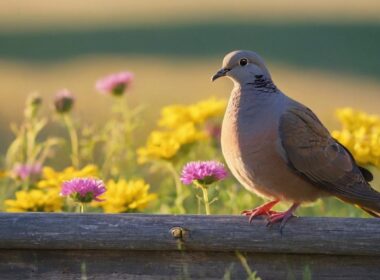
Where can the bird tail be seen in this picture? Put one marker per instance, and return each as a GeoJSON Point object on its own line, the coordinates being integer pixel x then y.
{"type": "Point", "coordinates": [372, 212]}
{"type": "Point", "coordinates": [372, 205]}
{"type": "Point", "coordinates": [363, 196]}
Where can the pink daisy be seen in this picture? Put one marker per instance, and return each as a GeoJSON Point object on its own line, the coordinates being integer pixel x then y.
{"type": "Point", "coordinates": [27, 171]}
{"type": "Point", "coordinates": [115, 84]}
{"type": "Point", "coordinates": [204, 172]}
{"type": "Point", "coordinates": [83, 190]}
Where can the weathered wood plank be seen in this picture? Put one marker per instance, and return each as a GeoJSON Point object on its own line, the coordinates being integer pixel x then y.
{"type": "Point", "coordinates": [336, 236]}
{"type": "Point", "coordinates": [122, 264]}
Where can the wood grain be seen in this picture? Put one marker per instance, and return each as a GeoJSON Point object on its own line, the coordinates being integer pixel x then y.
{"type": "Point", "coordinates": [137, 232]}
{"type": "Point", "coordinates": [122, 264]}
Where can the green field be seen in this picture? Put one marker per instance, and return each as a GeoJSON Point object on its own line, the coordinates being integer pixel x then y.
{"type": "Point", "coordinates": [333, 47]}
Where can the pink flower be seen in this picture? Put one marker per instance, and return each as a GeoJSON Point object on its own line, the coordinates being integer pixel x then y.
{"type": "Point", "coordinates": [83, 190]}
{"type": "Point", "coordinates": [115, 84]}
{"type": "Point", "coordinates": [27, 171]}
{"type": "Point", "coordinates": [203, 172]}
{"type": "Point", "coordinates": [64, 101]}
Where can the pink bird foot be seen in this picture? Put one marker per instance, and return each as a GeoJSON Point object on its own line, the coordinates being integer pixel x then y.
{"type": "Point", "coordinates": [282, 217]}
{"type": "Point", "coordinates": [264, 209]}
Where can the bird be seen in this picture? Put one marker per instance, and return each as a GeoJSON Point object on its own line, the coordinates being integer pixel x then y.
{"type": "Point", "coordinates": [278, 149]}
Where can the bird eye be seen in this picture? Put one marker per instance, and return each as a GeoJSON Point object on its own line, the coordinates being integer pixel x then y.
{"type": "Point", "coordinates": [243, 62]}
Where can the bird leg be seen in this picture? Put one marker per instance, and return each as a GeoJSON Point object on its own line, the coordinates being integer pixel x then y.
{"type": "Point", "coordinates": [282, 217]}
{"type": "Point", "coordinates": [264, 209]}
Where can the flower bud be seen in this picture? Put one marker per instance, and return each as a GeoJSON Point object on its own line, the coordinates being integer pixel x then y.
{"type": "Point", "coordinates": [33, 104]}
{"type": "Point", "coordinates": [116, 84]}
{"type": "Point", "coordinates": [63, 101]}
{"type": "Point", "coordinates": [34, 100]}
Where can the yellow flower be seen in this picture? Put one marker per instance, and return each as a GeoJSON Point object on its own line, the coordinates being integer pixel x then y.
{"type": "Point", "coordinates": [345, 137]}
{"type": "Point", "coordinates": [126, 196]}
{"type": "Point", "coordinates": [54, 179]}
{"type": "Point", "coordinates": [206, 109]}
{"type": "Point", "coordinates": [176, 115]}
{"type": "Point", "coordinates": [166, 144]}
{"type": "Point", "coordinates": [183, 126]}
{"type": "Point", "coordinates": [35, 201]}
{"type": "Point", "coordinates": [188, 133]}
{"type": "Point", "coordinates": [360, 134]}
{"type": "Point", "coordinates": [352, 119]}
{"type": "Point", "coordinates": [160, 145]}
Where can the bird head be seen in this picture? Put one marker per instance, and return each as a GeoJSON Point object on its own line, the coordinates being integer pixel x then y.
{"type": "Point", "coordinates": [242, 66]}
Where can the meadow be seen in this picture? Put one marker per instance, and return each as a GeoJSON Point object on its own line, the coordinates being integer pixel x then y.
{"type": "Point", "coordinates": [325, 61]}
{"type": "Point", "coordinates": [109, 148]}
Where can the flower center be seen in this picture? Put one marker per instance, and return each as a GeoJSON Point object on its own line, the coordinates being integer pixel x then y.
{"type": "Point", "coordinates": [207, 180]}
{"type": "Point", "coordinates": [119, 89]}
{"type": "Point", "coordinates": [88, 197]}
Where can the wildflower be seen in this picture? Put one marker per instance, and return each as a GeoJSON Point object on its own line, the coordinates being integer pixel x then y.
{"type": "Point", "coordinates": [115, 84]}
{"type": "Point", "coordinates": [63, 101]}
{"type": "Point", "coordinates": [360, 133]}
{"type": "Point", "coordinates": [27, 171]}
{"type": "Point", "coordinates": [54, 179]}
{"type": "Point", "coordinates": [34, 100]}
{"type": "Point", "coordinates": [176, 115]}
{"type": "Point", "coordinates": [33, 104]}
{"type": "Point", "coordinates": [126, 196]}
{"type": "Point", "coordinates": [34, 201]}
{"type": "Point", "coordinates": [188, 133]}
{"type": "Point", "coordinates": [83, 190]}
{"type": "Point", "coordinates": [166, 144]}
{"type": "Point", "coordinates": [203, 172]}
{"type": "Point", "coordinates": [160, 145]}
{"type": "Point", "coordinates": [206, 109]}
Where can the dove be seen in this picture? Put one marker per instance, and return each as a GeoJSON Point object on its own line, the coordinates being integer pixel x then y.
{"type": "Point", "coordinates": [277, 147]}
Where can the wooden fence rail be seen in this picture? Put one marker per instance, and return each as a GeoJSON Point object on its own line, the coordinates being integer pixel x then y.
{"type": "Point", "coordinates": [136, 246]}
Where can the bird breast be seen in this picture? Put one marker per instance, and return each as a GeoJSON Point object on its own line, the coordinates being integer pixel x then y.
{"type": "Point", "coordinates": [247, 139]}
{"type": "Point", "coordinates": [250, 145]}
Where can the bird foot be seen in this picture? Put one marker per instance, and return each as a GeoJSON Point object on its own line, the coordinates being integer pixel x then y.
{"type": "Point", "coordinates": [282, 217]}
{"type": "Point", "coordinates": [264, 209]}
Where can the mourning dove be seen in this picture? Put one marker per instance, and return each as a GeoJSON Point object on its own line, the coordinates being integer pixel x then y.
{"type": "Point", "coordinates": [278, 148]}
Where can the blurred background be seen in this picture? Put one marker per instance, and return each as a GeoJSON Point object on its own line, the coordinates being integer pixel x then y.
{"type": "Point", "coordinates": [323, 53]}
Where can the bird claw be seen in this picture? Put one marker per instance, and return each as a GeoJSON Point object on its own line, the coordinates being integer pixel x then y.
{"type": "Point", "coordinates": [256, 213]}
{"type": "Point", "coordinates": [263, 210]}
{"type": "Point", "coordinates": [282, 217]}
{"type": "Point", "coordinates": [273, 217]}
{"type": "Point", "coordinates": [279, 217]}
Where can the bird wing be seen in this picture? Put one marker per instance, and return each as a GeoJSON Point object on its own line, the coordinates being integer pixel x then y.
{"type": "Point", "coordinates": [313, 154]}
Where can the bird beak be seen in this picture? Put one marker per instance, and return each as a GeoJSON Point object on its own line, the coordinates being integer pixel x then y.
{"type": "Point", "coordinates": [222, 72]}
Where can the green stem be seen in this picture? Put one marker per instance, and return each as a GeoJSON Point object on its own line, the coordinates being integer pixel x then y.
{"type": "Point", "coordinates": [244, 263]}
{"type": "Point", "coordinates": [81, 208]}
{"type": "Point", "coordinates": [205, 196]}
{"type": "Point", "coordinates": [119, 147]}
{"type": "Point", "coordinates": [73, 140]}
{"type": "Point", "coordinates": [205, 199]}
{"type": "Point", "coordinates": [178, 186]}
{"type": "Point", "coordinates": [31, 141]}
{"type": "Point", "coordinates": [83, 269]}
{"type": "Point", "coordinates": [25, 185]}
